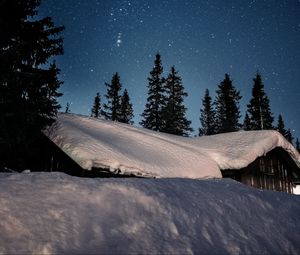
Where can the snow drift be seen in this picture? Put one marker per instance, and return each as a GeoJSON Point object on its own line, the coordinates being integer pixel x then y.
{"type": "Point", "coordinates": [52, 213]}
{"type": "Point", "coordinates": [126, 149]}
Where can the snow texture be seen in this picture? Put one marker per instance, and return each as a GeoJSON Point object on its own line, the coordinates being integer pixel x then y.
{"type": "Point", "coordinates": [238, 149]}
{"type": "Point", "coordinates": [53, 213]}
{"type": "Point", "coordinates": [126, 149]}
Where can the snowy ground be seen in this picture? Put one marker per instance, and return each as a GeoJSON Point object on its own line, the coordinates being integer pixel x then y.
{"type": "Point", "coordinates": [55, 213]}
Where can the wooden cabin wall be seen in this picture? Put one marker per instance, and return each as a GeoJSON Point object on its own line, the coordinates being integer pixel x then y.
{"type": "Point", "coordinates": [271, 172]}
{"type": "Point", "coordinates": [268, 173]}
{"type": "Point", "coordinates": [52, 159]}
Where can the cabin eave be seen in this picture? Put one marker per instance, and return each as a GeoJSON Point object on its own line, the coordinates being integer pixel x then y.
{"type": "Point", "coordinates": [274, 171]}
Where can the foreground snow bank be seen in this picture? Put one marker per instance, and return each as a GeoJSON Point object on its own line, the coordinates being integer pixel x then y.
{"type": "Point", "coordinates": [55, 213]}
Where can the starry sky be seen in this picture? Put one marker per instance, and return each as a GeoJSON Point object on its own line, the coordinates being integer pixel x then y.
{"type": "Point", "coordinates": [204, 39]}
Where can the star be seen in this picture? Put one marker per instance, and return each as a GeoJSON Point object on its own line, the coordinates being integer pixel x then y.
{"type": "Point", "coordinates": [203, 38]}
{"type": "Point", "coordinates": [119, 39]}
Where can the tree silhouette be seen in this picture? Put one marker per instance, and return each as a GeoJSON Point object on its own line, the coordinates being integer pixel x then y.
{"type": "Point", "coordinates": [247, 123]}
{"type": "Point", "coordinates": [259, 107]}
{"type": "Point", "coordinates": [126, 113]}
{"type": "Point", "coordinates": [156, 101]}
{"type": "Point", "coordinates": [96, 110]}
{"type": "Point", "coordinates": [280, 126]}
{"type": "Point", "coordinates": [174, 113]}
{"type": "Point", "coordinates": [112, 108]}
{"type": "Point", "coordinates": [227, 107]}
{"type": "Point", "coordinates": [28, 83]}
{"type": "Point", "coordinates": [67, 110]}
{"type": "Point", "coordinates": [207, 116]}
{"type": "Point", "coordinates": [281, 129]}
{"type": "Point", "coordinates": [289, 136]}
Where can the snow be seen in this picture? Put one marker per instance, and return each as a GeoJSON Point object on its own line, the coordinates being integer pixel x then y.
{"type": "Point", "coordinates": [53, 213]}
{"type": "Point", "coordinates": [238, 149]}
{"type": "Point", "coordinates": [296, 190]}
{"type": "Point", "coordinates": [126, 149]}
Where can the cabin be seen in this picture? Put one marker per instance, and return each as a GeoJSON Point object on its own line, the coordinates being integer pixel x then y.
{"type": "Point", "coordinates": [89, 147]}
{"type": "Point", "coordinates": [54, 159]}
{"type": "Point", "coordinates": [273, 171]}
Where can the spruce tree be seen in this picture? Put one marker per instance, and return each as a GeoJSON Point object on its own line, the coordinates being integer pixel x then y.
{"type": "Point", "coordinates": [67, 110]}
{"type": "Point", "coordinates": [174, 113]}
{"type": "Point", "coordinates": [112, 107]}
{"type": "Point", "coordinates": [96, 110]}
{"type": "Point", "coordinates": [280, 126]}
{"type": "Point", "coordinates": [207, 116]}
{"type": "Point", "coordinates": [28, 83]}
{"type": "Point", "coordinates": [227, 107]}
{"type": "Point", "coordinates": [281, 129]}
{"type": "Point", "coordinates": [126, 111]}
{"type": "Point", "coordinates": [259, 108]}
{"type": "Point", "coordinates": [156, 101]}
{"type": "Point", "coordinates": [247, 123]}
{"type": "Point", "coordinates": [289, 136]}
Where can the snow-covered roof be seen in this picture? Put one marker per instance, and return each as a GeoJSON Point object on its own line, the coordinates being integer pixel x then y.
{"type": "Point", "coordinates": [127, 149]}
{"type": "Point", "coordinates": [238, 149]}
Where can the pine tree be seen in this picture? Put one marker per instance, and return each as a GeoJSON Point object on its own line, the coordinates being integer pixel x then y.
{"type": "Point", "coordinates": [259, 108]}
{"type": "Point", "coordinates": [227, 107]}
{"type": "Point", "coordinates": [112, 107]}
{"type": "Point", "coordinates": [298, 145]}
{"type": "Point", "coordinates": [28, 84]}
{"type": "Point", "coordinates": [281, 127]}
{"type": "Point", "coordinates": [247, 123]}
{"type": "Point", "coordinates": [67, 110]}
{"type": "Point", "coordinates": [96, 110]}
{"type": "Point", "coordinates": [289, 136]}
{"type": "Point", "coordinates": [126, 109]}
{"type": "Point", "coordinates": [207, 116]}
{"type": "Point", "coordinates": [152, 115]}
{"type": "Point", "coordinates": [174, 113]}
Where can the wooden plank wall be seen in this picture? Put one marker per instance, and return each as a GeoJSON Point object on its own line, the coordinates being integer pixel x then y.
{"type": "Point", "coordinates": [268, 173]}
{"type": "Point", "coordinates": [271, 172]}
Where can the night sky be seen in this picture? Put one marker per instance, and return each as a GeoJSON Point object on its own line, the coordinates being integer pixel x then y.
{"type": "Point", "coordinates": [203, 39]}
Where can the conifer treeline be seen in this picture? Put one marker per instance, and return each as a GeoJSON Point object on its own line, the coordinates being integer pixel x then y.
{"type": "Point", "coordinates": [117, 107]}
{"type": "Point", "coordinates": [29, 90]}
{"type": "Point", "coordinates": [165, 111]}
{"type": "Point", "coordinates": [223, 114]}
